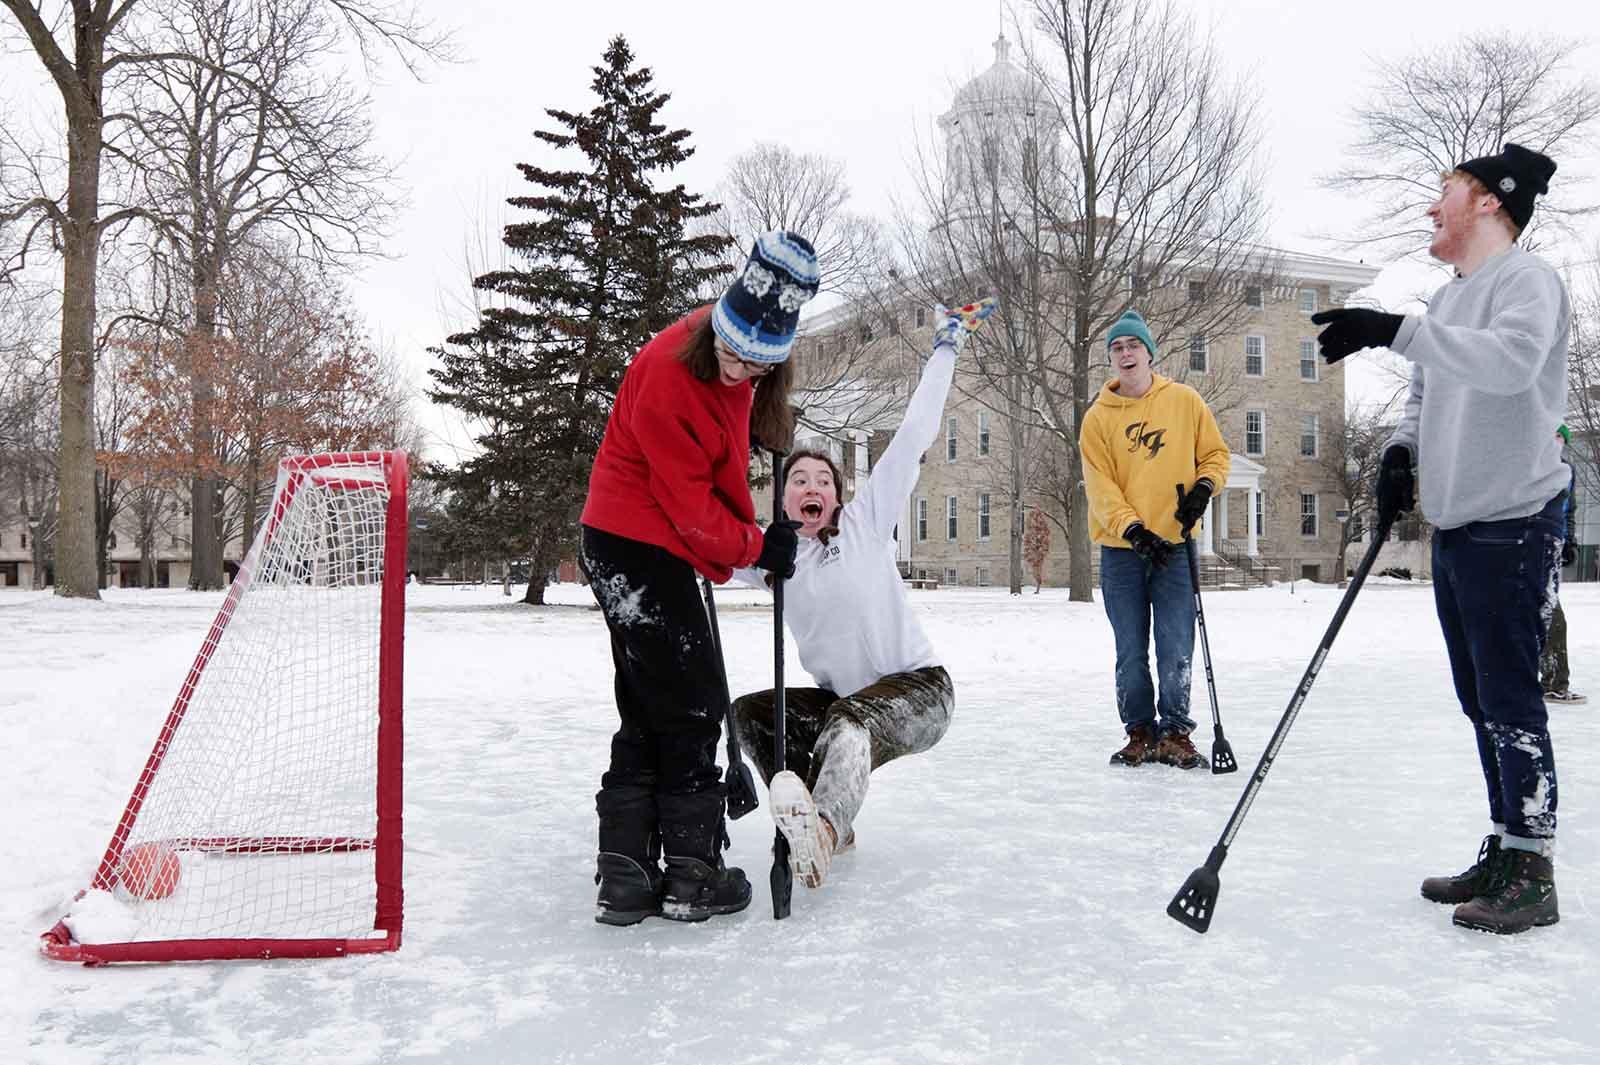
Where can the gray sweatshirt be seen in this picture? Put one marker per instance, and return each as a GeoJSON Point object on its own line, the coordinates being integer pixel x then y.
{"type": "Point", "coordinates": [1488, 389]}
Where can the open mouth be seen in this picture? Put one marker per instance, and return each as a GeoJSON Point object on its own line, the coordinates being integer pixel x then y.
{"type": "Point", "coordinates": [811, 510]}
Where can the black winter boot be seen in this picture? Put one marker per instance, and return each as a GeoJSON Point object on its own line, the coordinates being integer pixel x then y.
{"type": "Point", "coordinates": [628, 868]}
{"type": "Point", "coordinates": [698, 885]}
{"type": "Point", "coordinates": [1463, 887]}
{"type": "Point", "coordinates": [1521, 897]}
{"type": "Point", "coordinates": [695, 890]}
{"type": "Point", "coordinates": [629, 891]}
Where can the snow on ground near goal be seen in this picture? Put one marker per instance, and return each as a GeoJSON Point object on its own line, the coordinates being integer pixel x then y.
{"type": "Point", "coordinates": [1005, 903]}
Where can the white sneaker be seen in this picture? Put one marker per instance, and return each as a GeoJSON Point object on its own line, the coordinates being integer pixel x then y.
{"type": "Point", "coordinates": [1571, 698]}
{"type": "Point", "coordinates": [810, 848]}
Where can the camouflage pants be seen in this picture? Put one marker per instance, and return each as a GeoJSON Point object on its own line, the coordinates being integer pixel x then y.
{"type": "Point", "coordinates": [833, 744]}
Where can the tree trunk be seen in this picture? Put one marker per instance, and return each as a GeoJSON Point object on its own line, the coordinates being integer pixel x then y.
{"type": "Point", "coordinates": [205, 572]}
{"type": "Point", "coordinates": [1081, 571]}
{"type": "Point", "coordinates": [75, 569]}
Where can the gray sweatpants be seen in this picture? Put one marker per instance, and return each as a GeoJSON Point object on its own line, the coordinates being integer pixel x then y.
{"type": "Point", "coordinates": [833, 744]}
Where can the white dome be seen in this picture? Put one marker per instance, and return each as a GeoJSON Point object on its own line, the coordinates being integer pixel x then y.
{"type": "Point", "coordinates": [1003, 87]}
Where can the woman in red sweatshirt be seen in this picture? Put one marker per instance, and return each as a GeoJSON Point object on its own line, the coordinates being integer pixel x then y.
{"type": "Point", "coordinates": [669, 496]}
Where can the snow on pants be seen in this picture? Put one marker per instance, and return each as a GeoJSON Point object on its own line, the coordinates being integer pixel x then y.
{"type": "Point", "coordinates": [833, 744]}
{"type": "Point", "coordinates": [1494, 586]}
{"type": "Point", "coordinates": [663, 771]}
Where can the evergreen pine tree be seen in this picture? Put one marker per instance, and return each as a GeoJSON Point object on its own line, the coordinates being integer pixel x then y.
{"type": "Point", "coordinates": [604, 263]}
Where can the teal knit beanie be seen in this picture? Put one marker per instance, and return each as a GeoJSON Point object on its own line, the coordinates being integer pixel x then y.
{"type": "Point", "coordinates": [1132, 324]}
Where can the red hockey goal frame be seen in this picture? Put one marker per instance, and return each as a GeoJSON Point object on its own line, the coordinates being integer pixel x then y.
{"type": "Point", "coordinates": [341, 470]}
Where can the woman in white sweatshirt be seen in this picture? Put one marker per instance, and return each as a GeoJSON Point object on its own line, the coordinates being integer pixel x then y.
{"type": "Point", "coordinates": [882, 692]}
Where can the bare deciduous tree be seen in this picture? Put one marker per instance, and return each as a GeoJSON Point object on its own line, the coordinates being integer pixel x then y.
{"type": "Point", "coordinates": [1350, 460]}
{"type": "Point", "coordinates": [88, 48]}
{"type": "Point", "coordinates": [838, 385]}
{"type": "Point", "coordinates": [1439, 107]}
{"type": "Point", "coordinates": [1116, 168]}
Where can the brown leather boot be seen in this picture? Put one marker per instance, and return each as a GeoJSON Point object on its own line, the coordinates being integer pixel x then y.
{"type": "Point", "coordinates": [1176, 749]}
{"type": "Point", "coordinates": [1139, 749]}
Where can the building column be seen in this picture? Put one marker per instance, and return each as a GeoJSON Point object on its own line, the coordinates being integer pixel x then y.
{"type": "Point", "coordinates": [1205, 527]}
{"type": "Point", "coordinates": [1222, 514]}
{"type": "Point", "coordinates": [1250, 520]}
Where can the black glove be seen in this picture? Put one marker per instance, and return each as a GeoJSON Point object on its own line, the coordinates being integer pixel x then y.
{"type": "Point", "coordinates": [1192, 507]}
{"type": "Point", "coordinates": [1352, 328]}
{"type": "Point", "coordinates": [1397, 488]}
{"type": "Point", "coordinates": [778, 547]}
{"type": "Point", "coordinates": [1569, 552]}
{"type": "Point", "coordinates": [1147, 545]}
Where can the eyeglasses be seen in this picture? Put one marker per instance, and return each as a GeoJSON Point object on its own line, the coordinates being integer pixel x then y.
{"type": "Point", "coordinates": [751, 369]}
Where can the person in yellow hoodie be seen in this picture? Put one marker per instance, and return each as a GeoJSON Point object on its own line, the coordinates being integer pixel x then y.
{"type": "Point", "coordinates": [1143, 435]}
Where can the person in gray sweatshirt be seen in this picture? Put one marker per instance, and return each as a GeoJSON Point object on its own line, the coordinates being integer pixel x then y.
{"type": "Point", "coordinates": [1488, 388]}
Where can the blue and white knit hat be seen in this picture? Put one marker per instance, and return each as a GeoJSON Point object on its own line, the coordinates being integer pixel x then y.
{"type": "Point", "coordinates": [758, 315]}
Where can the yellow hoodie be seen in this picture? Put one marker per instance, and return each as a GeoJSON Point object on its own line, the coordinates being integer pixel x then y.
{"type": "Point", "coordinates": [1136, 452]}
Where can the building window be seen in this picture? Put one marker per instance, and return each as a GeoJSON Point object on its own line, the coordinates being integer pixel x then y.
{"type": "Point", "coordinates": [950, 576]}
{"type": "Point", "coordinates": [1308, 436]}
{"type": "Point", "coordinates": [922, 520]}
{"type": "Point", "coordinates": [1252, 296]}
{"type": "Point", "coordinates": [950, 518]}
{"type": "Point", "coordinates": [1255, 356]}
{"type": "Point", "coordinates": [1308, 360]}
{"type": "Point", "coordinates": [1308, 514]}
{"type": "Point", "coordinates": [111, 541]}
{"type": "Point", "coordinates": [1261, 513]}
{"type": "Point", "coordinates": [922, 317]}
{"type": "Point", "coordinates": [1308, 301]}
{"type": "Point", "coordinates": [866, 332]}
{"type": "Point", "coordinates": [24, 539]}
{"type": "Point", "coordinates": [1197, 291]}
{"type": "Point", "coordinates": [1255, 432]}
{"type": "Point", "coordinates": [1199, 356]}
{"type": "Point", "coordinates": [983, 576]}
{"type": "Point", "coordinates": [1311, 571]}
{"type": "Point", "coordinates": [950, 439]}
{"type": "Point", "coordinates": [983, 515]}
{"type": "Point", "coordinates": [983, 432]}
{"type": "Point", "coordinates": [1138, 285]}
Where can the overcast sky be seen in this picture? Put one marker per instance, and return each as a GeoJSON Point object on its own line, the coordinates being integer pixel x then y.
{"type": "Point", "coordinates": [859, 80]}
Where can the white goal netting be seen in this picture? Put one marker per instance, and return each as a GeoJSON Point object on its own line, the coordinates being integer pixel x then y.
{"type": "Point", "coordinates": [264, 785]}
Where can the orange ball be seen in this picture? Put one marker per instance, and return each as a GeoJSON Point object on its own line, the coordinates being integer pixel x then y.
{"type": "Point", "coordinates": [150, 871]}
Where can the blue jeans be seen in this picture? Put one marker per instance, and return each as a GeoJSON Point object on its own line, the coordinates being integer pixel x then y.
{"type": "Point", "coordinates": [1132, 591]}
{"type": "Point", "coordinates": [1494, 586]}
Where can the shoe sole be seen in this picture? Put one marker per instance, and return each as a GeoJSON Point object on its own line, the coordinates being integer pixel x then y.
{"type": "Point", "coordinates": [1476, 926]}
{"type": "Point", "coordinates": [796, 816]}
{"type": "Point", "coordinates": [621, 918]}
{"type": "Point", "coordinates": [682, 912]}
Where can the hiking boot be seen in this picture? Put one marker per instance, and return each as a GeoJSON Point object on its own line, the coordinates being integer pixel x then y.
{"type": "Point", "coordinates": [1464, 887]}
{"type": "Point", "coordinates": [1176, 749]}
{"type": "Point", "coordinates": [695, 890]}
{"type": "Point", "coordinates": [629, 891]}
{"type": "Point", "coordinates": [1521, 897]}
{"type": "Point", "coordinates": [1565, 697]}
{"type": "Point", "coordinates": [811, 838]}
{"type": "Point", "coordinates": [1140, 748]}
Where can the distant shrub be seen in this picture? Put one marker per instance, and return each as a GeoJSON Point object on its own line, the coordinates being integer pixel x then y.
{"type": "Point", "coordinates": [1397, 571]}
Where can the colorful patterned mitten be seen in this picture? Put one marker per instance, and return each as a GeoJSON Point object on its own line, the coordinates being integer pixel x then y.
{"type": "Point", "coordinates": [958, 323]}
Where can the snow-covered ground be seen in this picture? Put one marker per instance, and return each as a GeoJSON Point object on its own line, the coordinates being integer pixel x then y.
{"type": "Point", "coordinates": [1005, 904]}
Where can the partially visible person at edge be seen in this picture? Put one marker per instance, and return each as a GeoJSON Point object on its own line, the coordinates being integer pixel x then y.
{"type": "Point", "coordinates": [1144, 436]}
{"type": "Point", "coordinates": [1488, 387]}
{"type": "Point", "coordinates": [1554, 677]}
{"type": "Point", "coordinates": [669, 496]}
{"type": "Point", "coordinates": [881, 691]}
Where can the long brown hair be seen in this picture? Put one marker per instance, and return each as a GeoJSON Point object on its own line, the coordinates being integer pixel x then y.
{"type": "Point", "coordinates": [771, 417]}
